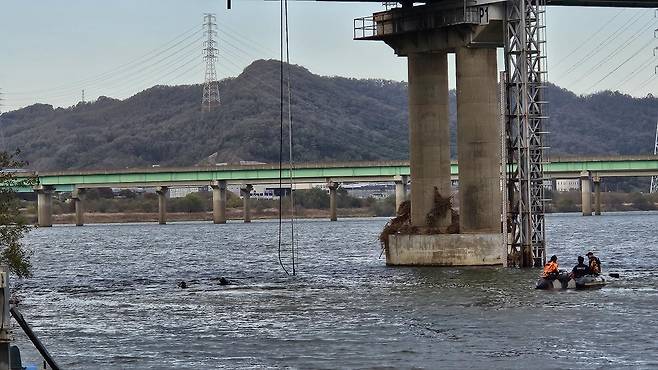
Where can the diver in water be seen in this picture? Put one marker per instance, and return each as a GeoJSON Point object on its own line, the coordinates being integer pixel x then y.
{"type": "Point", "coordinates": [581, 269]}
{"type": "Point", "coordinates": [594, 264]}
{"type": "Point", "coordinates": [551, 269]}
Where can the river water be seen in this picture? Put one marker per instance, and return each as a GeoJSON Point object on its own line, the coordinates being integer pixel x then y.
{"type": "Point", "coordinates": [105, 297]}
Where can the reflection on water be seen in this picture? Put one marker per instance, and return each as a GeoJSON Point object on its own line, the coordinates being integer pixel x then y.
{"type": "Point", "coordinates": [105, 297]}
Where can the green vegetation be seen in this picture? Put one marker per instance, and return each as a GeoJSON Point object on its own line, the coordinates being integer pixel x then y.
{"type": "Point", "coordinates": [610, 201]}
{"type": "Point", "coordinates": [13, 225]}
{"type": "Point", "coordinates": [336, 119]}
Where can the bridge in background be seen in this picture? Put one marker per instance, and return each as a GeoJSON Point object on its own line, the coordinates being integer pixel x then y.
{"type": "Point", "coordinates": [587, 169]}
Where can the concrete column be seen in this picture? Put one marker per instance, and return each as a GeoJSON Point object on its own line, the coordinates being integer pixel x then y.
{"type": "Point", "coordinates": [78, 198]}
{"type": "Point", "coordinates": [219, 202]}
{"type": "Point", "coordinates": [586, 193]}
{"type": "Point", "coordinates": [333, 214]}
{"type": "Point", "coordinates": [478, 140]}
{"type": "Point", "coordinates": [597, 195]}
{"type": "Point", "coordinates": [162, 192]}
{"type": "Point", "coordinates": [429, 133]}
{"type": "Point", "coordinates": [44, 206]}
{"type": "Point", "coordinates": [246, 194]}
{"type": "Point", "coordinates": [400, 191]}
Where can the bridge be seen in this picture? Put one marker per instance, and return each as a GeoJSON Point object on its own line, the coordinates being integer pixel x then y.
{"type": "Point", "coordinates": [588, 169]}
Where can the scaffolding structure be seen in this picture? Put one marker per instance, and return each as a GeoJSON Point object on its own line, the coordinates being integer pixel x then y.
{"type": "Point", "coordinates": [525, 66]}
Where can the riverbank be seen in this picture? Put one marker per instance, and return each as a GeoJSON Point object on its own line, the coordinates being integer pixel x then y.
{"type": "Point", "coordinates": [231, 214]}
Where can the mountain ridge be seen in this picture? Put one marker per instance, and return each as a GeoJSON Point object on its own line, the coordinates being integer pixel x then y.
{"type": "Point", "coordinates": [335, 119]}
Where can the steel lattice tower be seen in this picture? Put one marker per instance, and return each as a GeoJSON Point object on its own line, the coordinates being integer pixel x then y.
{"type": "Point", "coordinates": [524, 130]}
{"type": "Point", "coordinates": [210, 86]}
{"type": "Point", "coordinates": [654, 179]}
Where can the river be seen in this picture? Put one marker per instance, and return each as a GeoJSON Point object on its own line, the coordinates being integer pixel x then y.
{"type": "Point", "coordinates": [105, 297]}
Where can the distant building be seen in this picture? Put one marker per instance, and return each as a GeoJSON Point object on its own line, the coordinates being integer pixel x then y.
{"type": "Point", "coordinates": [181, 192]}
{"type": "Point", "coordinates": [370, 190]}
{"type": "Point", "coordinates": [567, 184]}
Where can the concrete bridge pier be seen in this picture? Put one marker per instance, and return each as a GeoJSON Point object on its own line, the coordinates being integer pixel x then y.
{"type": "Point", "coordinates": [333, 214]}
{"type": "Point", "coordinates": [429, 133]}
{"type": "Point", "coordinates": [478, 138]}
{"type": "Point", "coordinates": [597, 195]}
{"type": "Point", "coordinates": [586, 193]}
{"type": "Point", "coordinates": [78, 199]}
{"type": "Point", "coordinates": [162, 192]}
{"type": "Point", "coordinates": [246, 194]}
{"type": "Point", "coordinates": [219, 202]}
{"type": "Point", "coordinates": [400, 191]}
{"type": "Point", "coordinates": [44, 205]}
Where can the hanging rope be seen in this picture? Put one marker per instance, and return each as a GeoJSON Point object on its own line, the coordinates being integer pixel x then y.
{"type": "Point", "coordinates": [281, 96]}
{"type": "Point", "coordinates": [285, 83]}
{"type": "Point", "coordinates": [290, 138]}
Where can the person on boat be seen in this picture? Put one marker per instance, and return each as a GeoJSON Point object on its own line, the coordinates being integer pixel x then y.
{"type": "Point", "coordinates": [594, 264]}
{"type": "Point", "coordinates": [581, 269]}
{"type": "Point", "coordinates": [551, 269]}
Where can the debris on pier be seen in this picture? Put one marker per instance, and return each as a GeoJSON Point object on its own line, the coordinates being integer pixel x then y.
{"type": "Point", "coordinates": [401, 224]}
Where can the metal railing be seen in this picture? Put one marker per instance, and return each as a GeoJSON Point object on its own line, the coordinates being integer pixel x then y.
{"type": "Point", "coordinates": [379, 25]}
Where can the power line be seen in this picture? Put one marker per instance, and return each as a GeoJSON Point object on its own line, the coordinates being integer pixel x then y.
{"type": "Point", "coordinates": [580, 46]}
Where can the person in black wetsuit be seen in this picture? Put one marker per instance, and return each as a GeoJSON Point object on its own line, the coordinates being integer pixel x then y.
{"type": "Point", "coordinates": [581, 269]}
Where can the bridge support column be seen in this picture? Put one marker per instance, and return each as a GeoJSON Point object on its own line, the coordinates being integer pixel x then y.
{"type": "Point", "coordinates": [429, 133]}
{"type": "Point", "coordinates": [597, 195]}
{"type": "Point", "coordinates": [333, 214]}
{"type": "Point", "coordinates": [219, 202]}
{"type": "Point", "coordinates": [479, 144]}
{"type": "Point", "coordinates": [44, 206]}
{"type": "Point", "coordinates": [162, 192]}
{"type": "Point", "coordinates": [400, 191]}
{"type": "Point", "coordinates": [586, 193]}
{"type": "Point", "coordinates": [246, 194]}
{"type": "Point", "coordinates": [78, 199]}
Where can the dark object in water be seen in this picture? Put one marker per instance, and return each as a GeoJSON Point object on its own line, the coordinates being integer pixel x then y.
{"type": "Point", "coordinates": [614, 275]}
{"type": "Point", "coordinates": [182, 284]}
{"type": "Point", "coordinates": [224, 281]}
{"type": "Point", "coordinates": [565, 281]}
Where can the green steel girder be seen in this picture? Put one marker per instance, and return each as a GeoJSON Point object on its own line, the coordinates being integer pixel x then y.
{"type": "Point", "coordinates": [316, 172]}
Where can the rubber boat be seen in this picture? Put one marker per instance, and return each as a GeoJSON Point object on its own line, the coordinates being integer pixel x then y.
{"type": "Point", "coordinates": [564, 281]}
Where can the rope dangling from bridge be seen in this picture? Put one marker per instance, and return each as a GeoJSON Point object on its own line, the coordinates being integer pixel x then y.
{"type": "Point", "coordinates": [285, 82]}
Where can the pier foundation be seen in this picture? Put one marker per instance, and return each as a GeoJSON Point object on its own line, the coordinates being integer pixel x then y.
{"type": "Point", "coordinates": [425, 34]}
{"type": "Point", "coordinates": [78, 198]}
{"type": "Point", "coordinates": [333, 207]}
{"type": "Point", "coordinates": [479, 143]}
{"type": "Point", "coordinates": [586, 193]}
{"type": "Point", "coordinates": [162, 192]}
{"type": "Point", "coordinates": [400, 191]}
{"type": "Point", "coordinates": [44, 206]}
{"type": "Point", "coordinates": [246, 195]}
{"type": "Point", "coordinates": [597, 195]}
{"type": "Point", "coordinates": [219, 202]}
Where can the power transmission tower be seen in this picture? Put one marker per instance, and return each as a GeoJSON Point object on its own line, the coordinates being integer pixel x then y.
{"type": "Point", "coordinates": [654, 179]}
{"type": "Point", "coordinates": [210, 86]}
{"type": "Point", "coordinates": [525, 115]}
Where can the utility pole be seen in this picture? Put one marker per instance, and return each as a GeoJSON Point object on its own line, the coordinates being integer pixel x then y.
{"type": "Point", "coordinates": [210, 86]}
{"type": "Point", "coordinates": [654, 179]}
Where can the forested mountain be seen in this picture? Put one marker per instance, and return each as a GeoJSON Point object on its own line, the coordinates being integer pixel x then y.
{"type": "Point", "coordinates": [335, 118]}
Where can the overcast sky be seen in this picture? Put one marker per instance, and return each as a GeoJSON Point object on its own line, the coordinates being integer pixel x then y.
{"type": "Point", "coordinates": [51, 50]}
